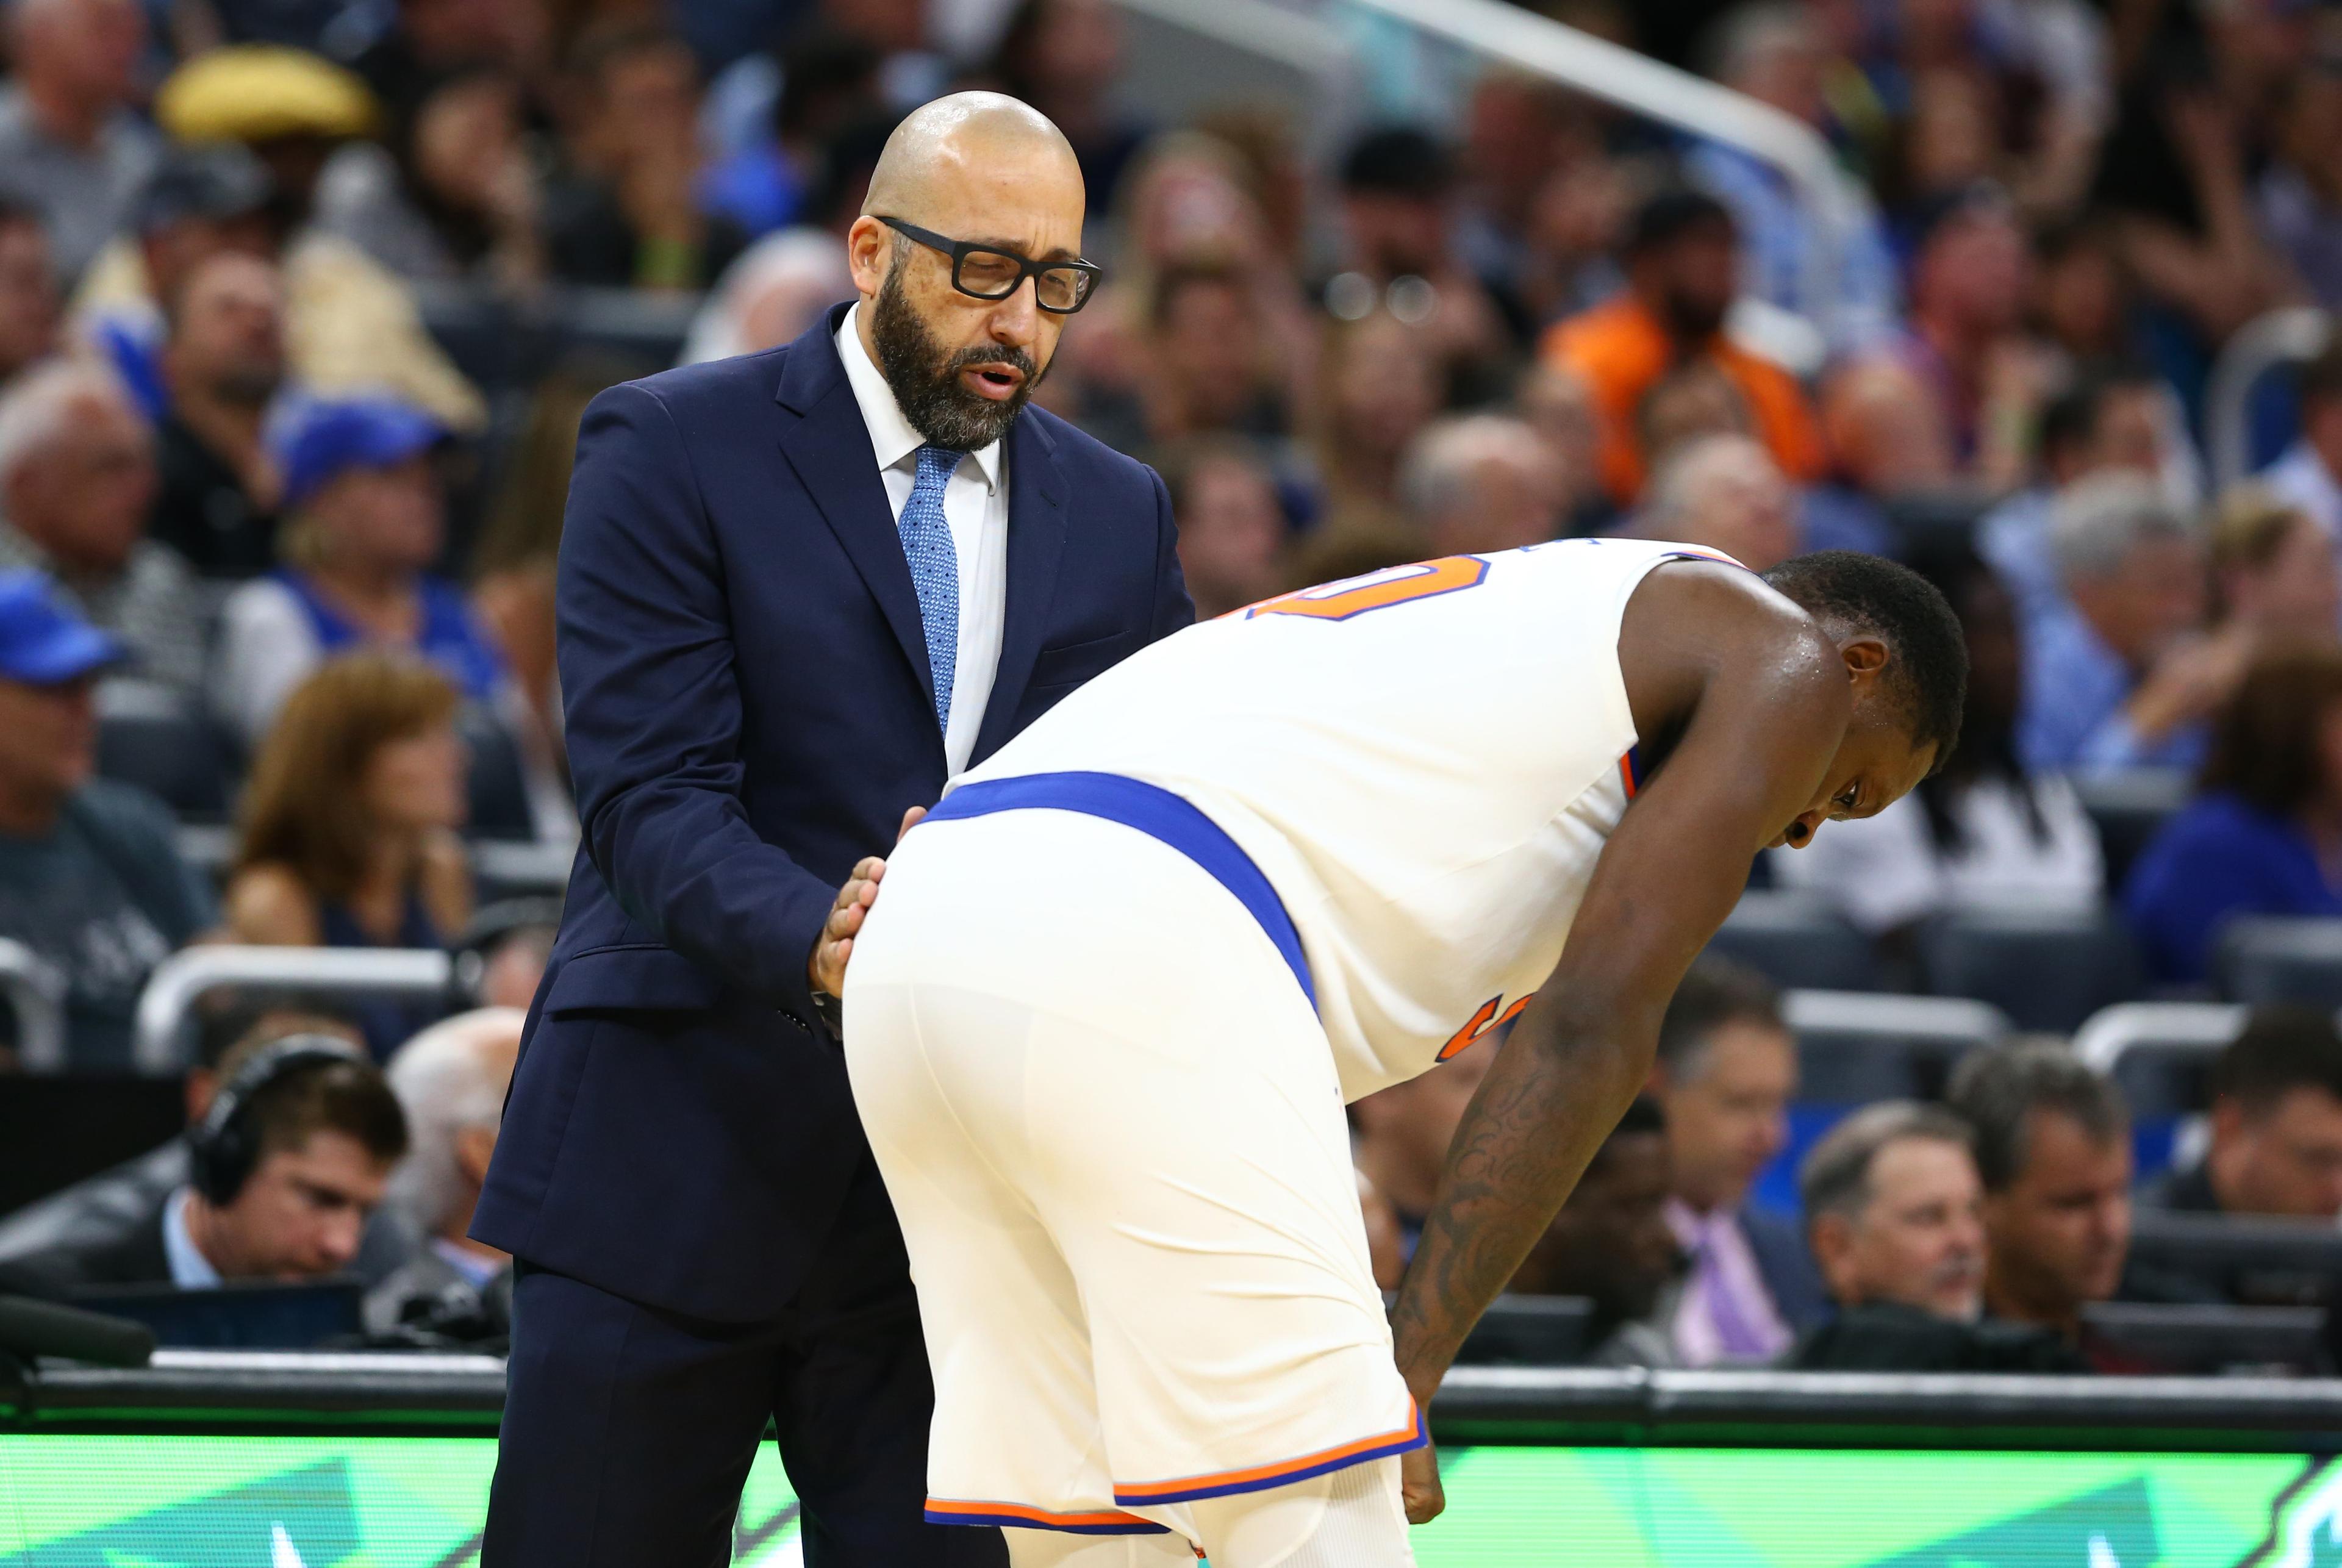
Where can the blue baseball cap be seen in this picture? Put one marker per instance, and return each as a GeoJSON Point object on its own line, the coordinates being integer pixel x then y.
{"type": "Point", "coordinates": [320, 442]}
{"type": "Point", "coordinates": [42, 640]}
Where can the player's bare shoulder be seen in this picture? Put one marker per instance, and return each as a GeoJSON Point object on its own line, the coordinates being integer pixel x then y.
{"type": "Point", "coordinates": [1694, 627]}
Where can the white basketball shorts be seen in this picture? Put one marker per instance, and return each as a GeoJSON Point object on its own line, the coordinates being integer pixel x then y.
{"type": "Point", "coordinates": [1111, 1127]}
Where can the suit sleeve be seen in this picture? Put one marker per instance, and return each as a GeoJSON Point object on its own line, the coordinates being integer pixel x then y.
{"type": "Point", "coordinates": [1173, 609]}
{"type": "Point", "coordinates": [652, 694]}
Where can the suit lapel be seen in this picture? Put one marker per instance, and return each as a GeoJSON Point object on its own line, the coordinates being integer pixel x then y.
{"type": "Point", "coordinates": [829, 447]}
{"type": "Point", "coordinates": [1037, 542]}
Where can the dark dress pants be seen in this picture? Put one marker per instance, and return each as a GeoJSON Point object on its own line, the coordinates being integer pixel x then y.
{"type": "Point", "coordinates": [629, 1431]}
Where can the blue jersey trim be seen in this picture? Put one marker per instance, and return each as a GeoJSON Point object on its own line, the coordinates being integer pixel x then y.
{"type": "Point", "coordinates": [1159, 814]}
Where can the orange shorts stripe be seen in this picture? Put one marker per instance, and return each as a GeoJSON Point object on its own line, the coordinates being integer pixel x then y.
{"type": "Point", "coordinates": [1259, 1478]}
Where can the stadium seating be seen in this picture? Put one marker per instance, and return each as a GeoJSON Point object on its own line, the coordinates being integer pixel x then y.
{"type": "Point", "coordinates": [1853, 1046]}
{"type": "Point", "coordinates": [2158, 1052]}
{"type": "Point", "coordinates": [2266, 959]}
{"type": "Point", "coordinates": [157, 738]}
{"type": "Point", "coordinates": [1796, 941]}
{"type": "Point", "coordinates": [2045, 968]}
{"type": "Point", "coordinates": [2128, 809]}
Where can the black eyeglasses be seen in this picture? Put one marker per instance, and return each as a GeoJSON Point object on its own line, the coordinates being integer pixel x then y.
{"type": "Point", "coordinates": [986, 272]}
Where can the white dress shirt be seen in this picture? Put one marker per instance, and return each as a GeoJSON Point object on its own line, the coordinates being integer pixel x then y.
{"type": "Point", "coordinates": [190, 1270]}
{"type": "Point", "coordinates": [976, 506]}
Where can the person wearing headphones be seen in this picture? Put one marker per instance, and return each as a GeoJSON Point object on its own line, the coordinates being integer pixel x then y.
{"type": "Point", "coordinates": [285, 1167]}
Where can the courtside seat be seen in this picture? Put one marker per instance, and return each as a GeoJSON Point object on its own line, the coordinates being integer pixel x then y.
{"type": "Point", "coordinates": [2129, 809]}
{"type": "Point", "coordinates": [160, 739]}
{"type": "Point", "coordinates": [1796, 940]}
{"type": "Point", "coordinates": [1854, 1048]}
{"type": "Point", "coordinates": [2269, 958]}
{"type": "Point", "coordinates": [2047, 969]}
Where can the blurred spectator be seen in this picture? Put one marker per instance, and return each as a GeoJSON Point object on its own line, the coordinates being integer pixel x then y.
{"type": "Point", "coordinates": [1894, 1207]}
{"type": "Point", "coordinates": [1610, 1243]}
{"type": "Point", "coordinates": [625, 210]}
{"type": "Point", "coordinates": [70, 142]}
{"type": "Point", "coordinates": [347, 838]}
{"type": "Point", "coordinates": [199, 202]}
{"type": "Point", "coordinates": [222, 360]}
{"type": "Point", "coordinates": [1969, 284]}
{"type": "Point", "coordinates": [1893, 1211]}
{"type": "Point", "coordinates": [2124, 677]}
{"type": "Point", "coordinates": [1231, 529]}
{"type": "Point", "coordinates": [363, 520]}
{"type": "Point", "coordinates": [434, 40]}
{"type": "Point", "coordinates": [769, 295]}
{"type": "Point", "coordinates": [1399, 190]}
{"type": "Point", "coordinates": [2298, 198]}
{"type": "Point", "coordinates": [450, 1081]}
{"type": "Point", "coordinates": [1727, 1069]}
{"type": "Point", "coordinates": [324, 1130]}
{"type": "Point", "coordinates": [2273, 568]}
{"type": "Point", "coordinates": [2114, 419]}
{"type": "Point", "coordinates": [1841, 276]}
{"type": "Point", "coordinates": [77, 482]}
{"type": "Point", "coordinates": [28, 290]}
{"type": "Point", "coordinates": [2084, 305]}
{"type": "Point", "coordinates": [1404, 1132]}
{"type": "Point", "coordinates": [352, 324]}
{"type": "Point", "coordinates": [768, 174]}
{"type": "Point", "coordinates": [1682, 264]}
{"type": "Point", "coordinates": [2309, 474]}
{"type": "Point", "coordinates": [1725, 493]}
{"type": "Point", "coordinates": [1692, 401]}
{"type": "Point", "coordinates": [2275, 1125]}
{"type": "Point", "coordinates": [1559, 406]}
{"type": "Point", "coordinates": [513, 958]}
{"type": "Point", "coordinates": [2053, 1150]}
{"type": "Point", "coordinates": [90, 875]}
{"type": "Point", "coordinates": [2258, 839]}
{"type": "Point", "coordinates": [1062, 58]}
{"type": "Point", "coordinates": [1889, 442]}
{"type": "Point", "coordinates": [454, 197]}
{"type": "Point", "coordinates": [1982, 830]}
{"type": "Point", "coordinates": [1205, 347]}
{"type": "Point", "coordinates": [1480, 482]}
{"type": "Point", "coordinates": [1380, 388]}
{"type": "Point", "coordinates": [1521, 133]}
{"type": "Point", "coordinates": [112, 1202]}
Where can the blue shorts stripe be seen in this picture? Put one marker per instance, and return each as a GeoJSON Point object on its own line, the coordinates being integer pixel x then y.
{"type": "Point", "coordinates": [1159, 814]}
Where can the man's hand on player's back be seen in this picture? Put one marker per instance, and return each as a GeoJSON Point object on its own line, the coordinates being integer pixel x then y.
{"type": "Point", "coordinates": [826, 965]}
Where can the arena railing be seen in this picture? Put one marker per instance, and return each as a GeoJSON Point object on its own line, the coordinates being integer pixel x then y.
{"type": "Point", "coordinates": [35, 990]}
{"type": "Point", "coordinates": [2284, 336]}
{"type": "Point", "coordinates": [166, 1007]}
{"type": "Point", "coordinates": [441, 1394]}
{"type": "Point", "coordinates": [1540, 46]}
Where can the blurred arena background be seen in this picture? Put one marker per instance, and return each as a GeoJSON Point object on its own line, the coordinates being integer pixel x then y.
{"type": "Point", "coordinates": [300, 302]}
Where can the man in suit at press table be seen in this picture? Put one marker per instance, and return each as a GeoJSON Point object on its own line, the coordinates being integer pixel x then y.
{"type": "Point", "coordinates": [799, 591]}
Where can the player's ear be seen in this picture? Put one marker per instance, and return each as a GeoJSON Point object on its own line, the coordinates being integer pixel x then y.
{"type": "Point", "coordinates": [1866, 659]}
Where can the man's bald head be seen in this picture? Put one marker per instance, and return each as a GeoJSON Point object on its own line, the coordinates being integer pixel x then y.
{"type": "Point", "coordinates": [961, 139]}
{"type": "Point", "coordinates": [979, 170]}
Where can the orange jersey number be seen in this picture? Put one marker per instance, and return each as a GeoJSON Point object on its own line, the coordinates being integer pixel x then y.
{"type": "Point", "coordinates": [1480, 1022]}
{"type": "Point", "coordinates": [1376, 590]}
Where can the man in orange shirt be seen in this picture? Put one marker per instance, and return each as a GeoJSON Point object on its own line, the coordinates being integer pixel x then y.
{"type": "Point", "coordinates": [1682, 273]}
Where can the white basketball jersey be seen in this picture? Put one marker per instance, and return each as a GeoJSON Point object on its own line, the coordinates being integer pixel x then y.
{"type": "Point", "coordinates": [1424, 762]}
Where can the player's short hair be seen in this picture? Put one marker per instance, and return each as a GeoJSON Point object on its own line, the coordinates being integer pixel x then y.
{"type": "Point", "coordinates": [2282, 1046]}
{"type": "Point", "coordinates": [1997, 1091]}
{"type": "Point", "coordinates": [1714, 992]}
{"type": "Point", "coordinates": [1928, 654]}
{"type": "Point", "coordinates": [1835, 1177]}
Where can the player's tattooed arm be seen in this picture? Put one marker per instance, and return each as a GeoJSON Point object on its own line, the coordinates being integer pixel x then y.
{"type": "Point", "coordinates": [1761, 702]}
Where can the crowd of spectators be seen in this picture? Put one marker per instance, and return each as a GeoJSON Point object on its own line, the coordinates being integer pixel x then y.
{"type": "Point", "coordinates": [260, 473]}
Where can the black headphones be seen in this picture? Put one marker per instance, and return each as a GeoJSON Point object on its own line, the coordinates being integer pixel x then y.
{"type": "Point", "coordinates": [222, 1148]}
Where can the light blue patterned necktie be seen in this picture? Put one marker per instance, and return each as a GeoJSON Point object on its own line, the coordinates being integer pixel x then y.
{"type": "Point", "coordinates": [934, 569]}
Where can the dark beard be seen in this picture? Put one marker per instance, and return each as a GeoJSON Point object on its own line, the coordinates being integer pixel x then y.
{"type": "Point", "coordinates": [925, 377]}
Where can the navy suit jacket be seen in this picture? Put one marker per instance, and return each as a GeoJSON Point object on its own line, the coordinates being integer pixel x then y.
{"type": "Point", "coordinates": [749, 713]}
{"type": "Point", "coordinates": [1786, 1265]}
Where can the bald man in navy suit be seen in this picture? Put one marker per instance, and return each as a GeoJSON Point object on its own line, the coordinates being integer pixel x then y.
{"type": "Point", "coordinates": [799, 591]}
